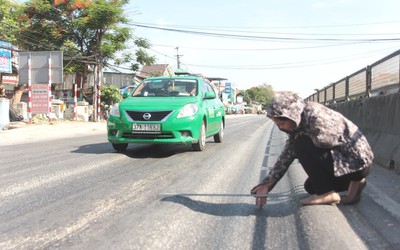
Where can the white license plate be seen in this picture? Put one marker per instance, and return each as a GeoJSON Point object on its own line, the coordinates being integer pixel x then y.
{"type": "Point", "coordinates": [146, 127]}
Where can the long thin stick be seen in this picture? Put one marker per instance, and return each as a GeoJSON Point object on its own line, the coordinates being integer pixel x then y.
{"type": "Point", "coordinates": [164, 195]}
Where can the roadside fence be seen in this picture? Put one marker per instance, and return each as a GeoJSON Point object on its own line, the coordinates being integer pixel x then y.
{"type": "Point", "coordinates": [379, 78]}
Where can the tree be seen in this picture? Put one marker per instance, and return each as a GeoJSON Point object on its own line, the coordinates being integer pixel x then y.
{"type": "Point", "coordinates": [90, 33]}
{"type": "Point", "coordinates": [246, 96]}
{"type": "Point", "coordinates": [110, 95]}
{"type": "Point", "coordinates": [9, 32]}
{"type": "Point", "coordinates": [262, 94]}
{"type": "Point", "coordinates": [9, 28]}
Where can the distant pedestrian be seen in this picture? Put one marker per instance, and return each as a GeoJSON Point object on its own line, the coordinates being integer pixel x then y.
{"type": "Point", "coordinates": [331, 149]}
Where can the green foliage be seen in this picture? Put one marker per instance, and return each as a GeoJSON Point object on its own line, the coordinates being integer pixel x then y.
{"type": "Point", "coordinates": [142, 43]}
{"type": "Point", "coordinates": [9, 23]}
{"type": "Point", "coordinates": [88, 32]}
{"type": "Point", "coordinates": [143, 58]}
{"type": "Point", "coordinates": [41, 29]}
{"type": "Point", "coordinates": [262, 94]}
{"type": "Point", "coordinates": [246, 96]}
{"type": "Point", "coordinates": [110, 95]}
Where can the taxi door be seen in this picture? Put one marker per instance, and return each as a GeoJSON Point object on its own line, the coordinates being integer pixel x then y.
{"type": "Point", "coordinates": [212, 109]}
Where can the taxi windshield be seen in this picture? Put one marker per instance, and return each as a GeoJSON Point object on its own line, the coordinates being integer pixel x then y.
{"type": "Point", "coordinates": [166, 87]}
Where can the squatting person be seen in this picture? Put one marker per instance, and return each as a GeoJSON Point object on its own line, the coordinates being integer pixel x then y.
{"type": "Point", "coordinates": [332, 150]}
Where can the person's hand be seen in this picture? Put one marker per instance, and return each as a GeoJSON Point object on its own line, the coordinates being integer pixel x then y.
{"type": "Point", "coordinates": [260, 189]}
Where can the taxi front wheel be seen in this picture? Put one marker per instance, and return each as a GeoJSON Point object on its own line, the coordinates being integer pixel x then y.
{"type": "Point", "coordinates": [201, 143]}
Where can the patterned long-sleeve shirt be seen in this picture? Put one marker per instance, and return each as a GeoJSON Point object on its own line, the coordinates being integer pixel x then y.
{"type": "Point", "coordinates": [327, 129]}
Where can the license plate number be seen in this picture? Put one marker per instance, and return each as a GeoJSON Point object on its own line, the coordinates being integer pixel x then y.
{"type": "Point", "coordinates": [146, 127]}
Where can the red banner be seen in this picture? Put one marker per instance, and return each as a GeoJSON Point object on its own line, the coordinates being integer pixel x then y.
{"type": "Point", "coordinates": [10, 79]}
{"type": "Point", "coordinates": [40, 99]}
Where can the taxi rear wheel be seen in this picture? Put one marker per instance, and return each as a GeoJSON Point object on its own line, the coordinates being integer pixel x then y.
{"type": "Point", "coordinates": [201, 143]}
{"type": "Point", "coordinates": [120, 146]}
{"type": "Point", "coordinates": [220, 136]}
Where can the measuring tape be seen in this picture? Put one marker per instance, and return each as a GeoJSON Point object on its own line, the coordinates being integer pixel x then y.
{"type": "Point", "coordinates": [165, 195]}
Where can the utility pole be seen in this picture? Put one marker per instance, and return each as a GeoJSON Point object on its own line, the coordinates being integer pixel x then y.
{"type": "Point", "coordinates": [178, 61]}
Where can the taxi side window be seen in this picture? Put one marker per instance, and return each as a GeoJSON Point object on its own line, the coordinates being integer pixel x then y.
{"type": "Point", "coordinates": [209, 88]}
{"type": "Point", "coordinates": [206, 87]}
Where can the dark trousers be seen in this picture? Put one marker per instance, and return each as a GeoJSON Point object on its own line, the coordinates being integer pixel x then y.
{"type": "Point", "coordinates": [318, 164]}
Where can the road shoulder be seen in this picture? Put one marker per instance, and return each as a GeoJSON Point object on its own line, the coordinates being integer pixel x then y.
{"type": "Point", "coordinates": [17, 133]}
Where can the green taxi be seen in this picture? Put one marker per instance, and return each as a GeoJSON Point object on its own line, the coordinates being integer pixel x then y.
{"type": "Point", "coordinates": [183, 109]}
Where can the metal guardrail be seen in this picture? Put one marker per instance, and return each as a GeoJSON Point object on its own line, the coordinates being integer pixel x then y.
{"type": "Point", "coordinates": [379, 78]}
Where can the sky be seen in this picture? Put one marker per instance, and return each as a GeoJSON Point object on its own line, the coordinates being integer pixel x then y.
{"type": "Point", "coordinates": [291, 45]}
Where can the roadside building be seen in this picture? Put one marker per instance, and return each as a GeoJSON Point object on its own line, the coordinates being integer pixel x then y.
{"type": "Point", "coordinates": [154, 70]}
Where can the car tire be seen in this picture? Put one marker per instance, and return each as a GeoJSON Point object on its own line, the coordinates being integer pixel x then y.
{"type": "Point", "coordinates": [201, 143]}
{"type": "Point", "coordinates": [120, 146]}
{"type": "Point", "coordinates": [219, 137]}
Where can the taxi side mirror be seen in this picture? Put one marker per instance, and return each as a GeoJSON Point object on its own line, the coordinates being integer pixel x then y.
{"type": "Point", "coordinates": [125, 94]}
{"type": "Point", "coordinates": [210, 95]}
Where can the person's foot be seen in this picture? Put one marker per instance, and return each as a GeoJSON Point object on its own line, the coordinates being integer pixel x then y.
{"type": "Point", "coordinates": [330, 198]}
{"type": "Point", "coordinates": [354, 192]}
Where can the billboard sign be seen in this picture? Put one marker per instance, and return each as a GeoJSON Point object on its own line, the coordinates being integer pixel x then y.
{"type": "Point", "coordinates": [228, 87]}
{"type": "Point", "coordinates": [5, 57]}
{"type": "Point", "coordinates": [40, 67]}
{"type": "Point", "coordinates": [10, 79]}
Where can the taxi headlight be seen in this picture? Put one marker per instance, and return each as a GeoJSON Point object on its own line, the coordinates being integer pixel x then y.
{"type": "Point", "coordinates": [188, 110]}
{"type": "Point", "coordinates": [115, 110]}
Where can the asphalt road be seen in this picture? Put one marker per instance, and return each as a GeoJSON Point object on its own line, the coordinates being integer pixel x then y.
{"type": "Point", "coordinates": [78, 193]}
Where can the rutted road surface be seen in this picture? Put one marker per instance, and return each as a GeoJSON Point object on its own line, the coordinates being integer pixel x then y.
{"type": "Point", "coordinates": [75, 192]}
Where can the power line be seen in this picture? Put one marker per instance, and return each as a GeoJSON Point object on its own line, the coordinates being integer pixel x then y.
{"type": "Point", "coordinates": [286, 65]}
{"type": "Point", "coordinates": [279, 27]}
{"type": "Point", "coordinates": [261, 49]}
{"type": "Point", "coordinates": [266, 38]}
{"type": "Point", "coordinates": [249, 30]}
